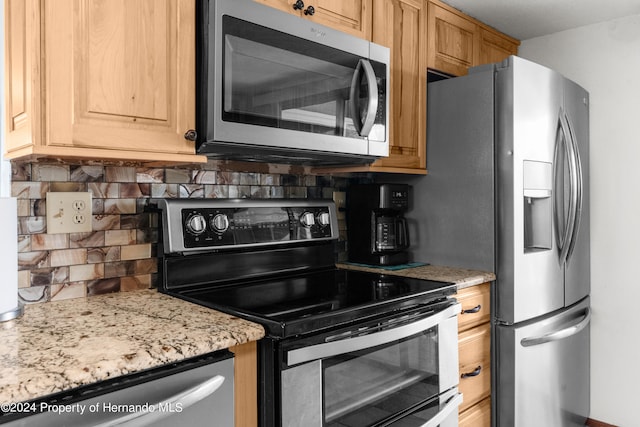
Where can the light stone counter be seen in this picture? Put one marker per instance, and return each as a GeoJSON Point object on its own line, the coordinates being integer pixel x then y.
{"type": "Point", "coordinates": [461, 276]}
{"type": "Point", "coordinates": [58, 346]}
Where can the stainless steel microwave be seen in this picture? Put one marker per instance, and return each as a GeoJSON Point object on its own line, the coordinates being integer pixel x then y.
{"type": "Point", "coordinates": [275, 87]}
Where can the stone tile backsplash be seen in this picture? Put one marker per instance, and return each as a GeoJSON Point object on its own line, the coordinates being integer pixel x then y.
{"type": "Point", "coordinates": [119, 254]}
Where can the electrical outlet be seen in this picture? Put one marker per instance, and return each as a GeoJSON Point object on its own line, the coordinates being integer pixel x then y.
{"type": "Point", "coordinates": [340, 199]}
{"type": "Point", "coordinates": [68, 212]}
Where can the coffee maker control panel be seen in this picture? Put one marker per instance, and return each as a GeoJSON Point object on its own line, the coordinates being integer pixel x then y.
{"type": "Point", "coordinates": [392, 197]}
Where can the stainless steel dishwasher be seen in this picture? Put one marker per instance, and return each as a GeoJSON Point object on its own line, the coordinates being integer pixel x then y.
{"type": "Point", "coordinates": [196, 392]}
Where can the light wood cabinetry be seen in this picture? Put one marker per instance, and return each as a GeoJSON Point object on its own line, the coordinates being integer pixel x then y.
{"type": "Point", "coordinates": [353, 17]}
{"type": "Point", "coordinates": [451, 40]}
{"type": "Point", "coordinates": [107, 80]}
{"type": "Point", "coordinates": [246, 384]}
{"type": "Point", "coordinates": [474, 347]}
{"type": "Point", "coordinates": [401, 25]}
{"type": "Point", "coordinates": [457, 41]}
{"type": "Point", "coordinates": [424, 34]}
{"type": "Point", "coordinates": [477, 416]}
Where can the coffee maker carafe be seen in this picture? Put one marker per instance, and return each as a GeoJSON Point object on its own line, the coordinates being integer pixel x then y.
{"type": "Point", "coordinates": [377, 230]}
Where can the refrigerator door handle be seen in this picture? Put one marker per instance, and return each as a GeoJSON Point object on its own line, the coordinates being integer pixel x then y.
{"type": "Point", "coordinates": [577, 190]}
{"type": "Point", "coordinates": [564, 140]}
{"type": "Point", "coordinates": [573, 329]}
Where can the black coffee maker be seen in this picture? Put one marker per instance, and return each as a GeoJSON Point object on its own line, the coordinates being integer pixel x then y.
{"type": "Point", "coordinates": [377, 230]}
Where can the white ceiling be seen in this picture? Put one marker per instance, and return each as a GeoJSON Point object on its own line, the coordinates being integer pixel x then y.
{"type": "Point", "coordinates": [525, 19]}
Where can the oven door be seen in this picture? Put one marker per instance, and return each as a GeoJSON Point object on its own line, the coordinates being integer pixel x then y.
{"type": "Point", "coordinates": [396, 370]}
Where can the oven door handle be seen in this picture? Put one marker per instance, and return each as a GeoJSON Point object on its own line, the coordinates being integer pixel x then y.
{"type": "Point", "coordinates": [451, 405]}
{"type": "Point", "coordinates": [361, 342]}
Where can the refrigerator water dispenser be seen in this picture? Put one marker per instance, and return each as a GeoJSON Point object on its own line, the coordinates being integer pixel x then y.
{"type": "Point", "coordinates": [538, 209]}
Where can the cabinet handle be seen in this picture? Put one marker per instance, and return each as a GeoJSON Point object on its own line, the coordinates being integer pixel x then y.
{"type": "Point", "coordinates": [475, 373]}
{"type": "Point", "coordinates": [310, 11]}
{"type": "Point", "coordinates": [191, 135]}
{"type": "Point", "coordinates": [472, 310]}
{"type": "Point", "coordinates": [298, 5]}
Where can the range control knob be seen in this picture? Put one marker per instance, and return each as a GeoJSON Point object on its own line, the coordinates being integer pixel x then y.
{"type": "Point", "coordinates": [307, 219]}
{"type": "Point", "coordinates": [220, 223]}
{"type": "Point", "coordinates": [196, 224]}
{"type": "Point", "coordinates": [323, 219]}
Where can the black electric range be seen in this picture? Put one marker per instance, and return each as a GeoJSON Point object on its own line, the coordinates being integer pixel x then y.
{"type": "Point", "coordinates": [273, 262]}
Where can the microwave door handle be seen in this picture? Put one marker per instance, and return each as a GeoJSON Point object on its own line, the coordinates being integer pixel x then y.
{"type": "Point", "coordinates": [448, 409]}
{"type": "Point", "coordinates": [364, 127]}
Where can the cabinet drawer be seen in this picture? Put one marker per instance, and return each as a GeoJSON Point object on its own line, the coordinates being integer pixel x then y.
{"type": "Point", "coordinates": [476, 309]}
{"type": "Point", "coordinates": [475, 364]}
{"type": "Point", "coordinates": [477, 416]}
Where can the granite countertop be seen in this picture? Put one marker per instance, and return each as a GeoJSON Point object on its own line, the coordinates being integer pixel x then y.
{"type": "Point", "coordinates": [59, 346]}
{"type": "Point", "coordinates": [461, 276]}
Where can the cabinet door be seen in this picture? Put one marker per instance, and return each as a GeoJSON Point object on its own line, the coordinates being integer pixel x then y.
{"type": "Point", "coordinates": [401, 26]}
{"type": "Point", "coordinates": [475, 302]}
{"type": "Point", "coordinates": [452, 40]}
{"type": "Point", "coordinates": [120, 74]}
{"type": "Point", "coordinates": [477, 416]}
{"type": "Point", "coordinates": [22, 72]}
{"type": "Point", "coordinates": [494, 47]}
{"type": "Point", "coordinates": [353, 16]}
{"type": "Point", "coordinates": [474, 356]}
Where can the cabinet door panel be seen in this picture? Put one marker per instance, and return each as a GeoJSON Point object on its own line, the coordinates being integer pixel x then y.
{"type": "Point", "coordinates": [353, 17]}
{"type": "Point", "coordinates": [22, 71]}
{"type": "Point", "coordinates": [475, 365]}
{"type": "Point", "coordinates": [494, 47]}
{"type": "Point", "coordinates": [477, 416]}
{"type": "Point", "coordinates": [120, 74]}
{"type": "Point", "coordinates": [475, 303]}
{"type": "Point", "coordinates": [124, 78]}
{"type": "Point", "coordinates": [401, 26]}
{"type": "Point", "coordinates": [452, 41]}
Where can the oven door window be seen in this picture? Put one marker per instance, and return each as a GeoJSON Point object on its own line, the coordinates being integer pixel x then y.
{"type": "Point", "coordinates": [277, 80]}
{"type": "Point", "coordinates": [379, 384]}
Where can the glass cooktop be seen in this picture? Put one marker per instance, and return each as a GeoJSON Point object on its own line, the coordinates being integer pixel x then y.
{"type": "Point", "coordinates": [299, 304]}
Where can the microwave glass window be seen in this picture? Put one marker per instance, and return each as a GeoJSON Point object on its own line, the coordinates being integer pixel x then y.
{"type": "Point", "coordinates": [278, 80]}
{"type": "Point", "coordinates": [367, 387]}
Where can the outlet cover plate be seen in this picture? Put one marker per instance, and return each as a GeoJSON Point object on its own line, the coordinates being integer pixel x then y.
{"type": "Point", "coordinates": [340, 199]}
{"type": "Point", "coordinates": [68, 212]}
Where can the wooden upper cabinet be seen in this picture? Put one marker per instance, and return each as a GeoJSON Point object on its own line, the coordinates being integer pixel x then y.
{"type": "Point", "coordinates": [452, 40]}
{"type": "Point", "coordinates": [495, 47]}
{"type": "Point", "coordinates": [458, 42]}
{"type": "Point", "coordinates": [22, 71]}
{"type": "Point", "coordinates": [401, 26]}
{"type": "Point", "coordinates": [115, 79]}
{"type": "Point", "coordinates": [353, 17]}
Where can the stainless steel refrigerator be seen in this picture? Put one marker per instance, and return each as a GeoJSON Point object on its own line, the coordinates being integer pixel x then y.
{"type": "Point", "coordinates": [508, 191]}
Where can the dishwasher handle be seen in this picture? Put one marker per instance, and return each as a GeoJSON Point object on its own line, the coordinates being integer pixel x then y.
{"type": "Point", "coordinates": [183, 399]}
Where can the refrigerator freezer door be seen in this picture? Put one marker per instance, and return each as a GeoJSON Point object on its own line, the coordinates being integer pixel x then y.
{"type": "Point", "coordinates": [577, 271]}
{"type": "Point", "coordinates": [543, 371]}
{"type": "Point", "coordinates": [530, 276]}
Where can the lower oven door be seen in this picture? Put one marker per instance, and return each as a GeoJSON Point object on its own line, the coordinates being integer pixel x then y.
{"type": "Point", "coordinates": [398, 370]}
